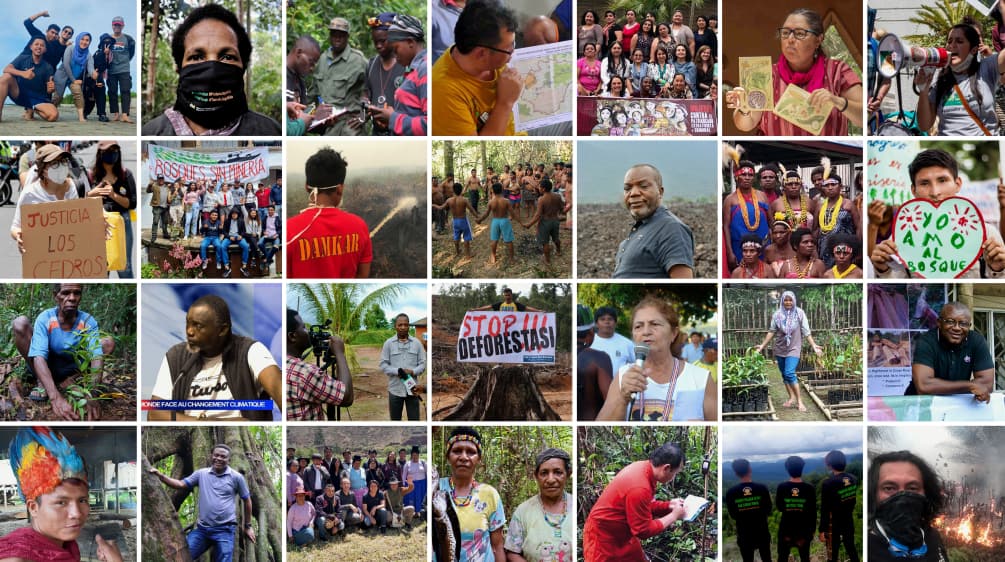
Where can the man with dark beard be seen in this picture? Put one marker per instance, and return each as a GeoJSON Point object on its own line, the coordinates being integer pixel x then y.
{"type": "Point", "coordinates": [659, 244]}
{"type": "Point", "coordinates": [905, 495]}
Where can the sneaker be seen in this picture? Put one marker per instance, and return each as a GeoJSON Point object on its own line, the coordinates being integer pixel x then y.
{"type": "Point", "coordinates": [219, 266]}
{"type": "Point", "coordinates": [226, 273]}
{"type": "Point", "coordinates": [205, 264]}
{"type": "Point", "coordinates": [103, 118]}
{"type": "Point", "coordinates": [244, 271]}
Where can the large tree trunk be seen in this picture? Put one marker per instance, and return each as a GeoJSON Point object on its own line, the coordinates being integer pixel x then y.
{"type": "Point", "coordinates": [448, 157]}
{"type": "Point", "coordinates": [504, 392]}
{"type": "Point", "coordinates": [191, 448]}
{"type": "Point", "coordinates": [151, 69]}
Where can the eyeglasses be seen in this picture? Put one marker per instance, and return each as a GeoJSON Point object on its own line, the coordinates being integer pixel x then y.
{"type": "Point", "coordinates": [800, 33]}
{"type": "Point", "coordinates": [503, 51]}
{"type": "Point", "coordinates": [950, 323]}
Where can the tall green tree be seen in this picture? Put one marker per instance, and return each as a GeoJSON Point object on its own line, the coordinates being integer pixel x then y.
{"type": "Point", "coordinates": [376, 318]}
{"type": "Point", "coordinates": [939, 18]}
{"type": "Point", "coordinates": [346, 305]}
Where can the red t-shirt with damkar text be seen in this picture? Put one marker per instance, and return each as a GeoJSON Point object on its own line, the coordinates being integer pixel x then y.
{"type": "Point", "coordinates": [327, 243]}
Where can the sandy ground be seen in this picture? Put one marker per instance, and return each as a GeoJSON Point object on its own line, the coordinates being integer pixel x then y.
{"type": "Point", "coordinates": [370, 389]}
{"type": "Point", "coordinates": [67, 126]}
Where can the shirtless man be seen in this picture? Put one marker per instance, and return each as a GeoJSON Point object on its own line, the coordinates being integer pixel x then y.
{"type": "Point", "coordinates": [568, 196]}
{"type": "Point", "coordinates": [531, 190]}
{"type": "Point", "coordinates": [501, 212]}
{"type": "Point", "coordinates": [794, 205]}
{"type": "Point", "coordinates": [549, 206]}
{"type": "Point", "coordinates": [447, 187]}
{"type": "Point", "coordinates": [439, 215]}
{"type": "Point", "coordinates": [459, 206]}
{"type": "Point", "coordinates": [471, 188]}
{"type": "Point", "coordinates": [513, 191]}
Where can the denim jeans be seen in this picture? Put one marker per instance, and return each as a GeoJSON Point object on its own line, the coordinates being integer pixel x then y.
{"type": "Point", "coordinates": [268, 246]}
{"type": "Point", "coordinates": [303, 536]}
{"type": "Point", "coordinates": [192, 222]}
{"type": "Point", "coordinates": [217, 244]}
{"type": "Point", "coordinates": [202, 538]}
{"type": "Point", "coordinates": [244, 250]}
{"type": "Point", "coordinates": [325, 534]}
{"type": "Point", "coordinates": [787, 365]}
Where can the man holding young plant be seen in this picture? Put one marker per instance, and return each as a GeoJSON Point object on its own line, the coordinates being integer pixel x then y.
{"type": "Point", "coordinates": [63, 341]}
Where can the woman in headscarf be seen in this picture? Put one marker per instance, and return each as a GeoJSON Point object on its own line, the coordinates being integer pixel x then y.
{"type": "Point", "coordinates": [790, 326]}
{"type": "Point", "coordinates": [540, 528]}
{"type": "Point", "coordinates": [77, 65]}
{"type": "Point", "coordinates": [479, 507]}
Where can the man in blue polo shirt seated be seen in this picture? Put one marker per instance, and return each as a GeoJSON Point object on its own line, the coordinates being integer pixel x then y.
{"type": "Point", "coordinates": [950, 359]}
{"type": "Point", "coordinates": [218, 484]}
{"type": "Point", "coordinates": [48, 349]}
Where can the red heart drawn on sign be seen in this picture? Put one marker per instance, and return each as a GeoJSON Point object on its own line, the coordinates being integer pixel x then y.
{"type": "Point", "coordinates": [939, 240]}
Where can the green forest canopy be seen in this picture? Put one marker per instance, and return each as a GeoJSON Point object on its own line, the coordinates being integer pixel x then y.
{"type": "Point", "coordinates": [695, 303]}
{"type": "Point", "coordinates": [460, 156]}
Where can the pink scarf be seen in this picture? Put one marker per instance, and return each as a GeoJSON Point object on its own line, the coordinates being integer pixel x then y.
{"type": "Point", "coordinates": [810, 80]}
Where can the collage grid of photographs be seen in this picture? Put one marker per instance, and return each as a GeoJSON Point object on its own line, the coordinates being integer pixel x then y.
{"type": "Point", "coordinates": [785, 348]}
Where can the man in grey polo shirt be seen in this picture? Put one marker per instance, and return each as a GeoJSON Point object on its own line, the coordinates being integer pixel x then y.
{"type": "Point", "coordinates": [218, 484]}
{"type": "Point", "coordinates": [402, 359]}
{"type": "Point", "coordinates": [659, 245]}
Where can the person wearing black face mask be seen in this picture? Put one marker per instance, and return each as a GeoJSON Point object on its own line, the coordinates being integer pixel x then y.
{"type": "Point", "coordinates": [905, 495]}
{"type": "Point", "coordinates": [211, 50]}
{"type": "Point", "coordinates": [115, 184]}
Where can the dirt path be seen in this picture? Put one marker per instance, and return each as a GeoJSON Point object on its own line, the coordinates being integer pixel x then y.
{"type": "Point", "coordinates": [528, 255]}
{"type": "Point", "coordinates": [776, 388]}
{"type": "Point", "coordinates": [370, 388]}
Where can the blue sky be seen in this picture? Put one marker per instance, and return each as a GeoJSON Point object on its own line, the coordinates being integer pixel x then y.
{"type": "Point", "coordinates": [412, 302]}
{"type": "Point", "coordinates": [82, 15]}
{"type": "Point", "coordinates": [688, 168]}
{"type": "Point", "coordinates": [774, 443]}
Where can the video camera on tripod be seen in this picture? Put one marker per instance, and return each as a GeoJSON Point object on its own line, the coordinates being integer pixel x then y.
{"type": "Point", "coordinates": [321, 335]}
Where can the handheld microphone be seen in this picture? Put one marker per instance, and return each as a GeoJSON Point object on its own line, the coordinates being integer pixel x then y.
{"type": "Point", "coordinates": [641, 352]}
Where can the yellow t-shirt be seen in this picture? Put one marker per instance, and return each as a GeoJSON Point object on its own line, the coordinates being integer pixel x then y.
{"type": "Point", "coordinates": [460, 100]}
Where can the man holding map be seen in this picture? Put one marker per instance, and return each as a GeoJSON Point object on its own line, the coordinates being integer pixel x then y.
{"type": "Point", "coordinates": [474, 90]}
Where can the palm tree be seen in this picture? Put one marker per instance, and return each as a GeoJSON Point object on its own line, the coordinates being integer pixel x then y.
{"type": "Point", "coordinates": [345, 304]}
{"type": "Point", "coordinates": [939, 19]}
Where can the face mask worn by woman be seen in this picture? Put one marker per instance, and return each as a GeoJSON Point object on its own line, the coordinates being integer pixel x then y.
{"type": "Point", "coordinates": [57, 174]}
{"type": "Point", "coordinates": [211, 93]}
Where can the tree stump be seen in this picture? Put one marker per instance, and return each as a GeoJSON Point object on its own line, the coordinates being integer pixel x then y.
{"type": "Point", "coordinates": [504, 392]}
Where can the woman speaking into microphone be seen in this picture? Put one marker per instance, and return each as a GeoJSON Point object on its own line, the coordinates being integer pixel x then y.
{"type": "Point", "coordinates": [663, 387]}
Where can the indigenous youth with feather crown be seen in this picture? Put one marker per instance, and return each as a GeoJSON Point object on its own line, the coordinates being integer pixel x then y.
{"type": "Point", "coordinates": [52, 479]}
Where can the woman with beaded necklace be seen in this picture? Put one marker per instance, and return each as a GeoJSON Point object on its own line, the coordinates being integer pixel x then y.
{"type": "Point", "coordinates": [794, 204]}
{"type": "Point", "coordinates": [804, 264]}
{"type": "Point", "coordinates": [835, 214]}
{"type": "Point", "coordinates": [540, 528]}
{"type": "Point", "coordinates": [479, 507]}
{"type": "Point", "coordinates": [751, 265]}
{"type": "Point", "coordinates": [790, 326]}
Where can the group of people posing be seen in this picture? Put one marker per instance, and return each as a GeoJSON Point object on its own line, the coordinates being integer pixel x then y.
{"type": "Point", "coordinates": [327, 495]}
{"type": "Point", "coordinates": [527, 194]}
{"type": "Point", "coordinates": [646, 59]}
{"type": "Point", "coordinates": [223, 213]}
{"type": "Point", "coordinates": [792, 233]}
{"type": "Point", "coordinates": [54, 60]}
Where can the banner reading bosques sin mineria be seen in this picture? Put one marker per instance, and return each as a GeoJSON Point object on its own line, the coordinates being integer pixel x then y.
{"type": "Point", "coordinates": [507, 337]}
{"type": "Point", "coordinates": [235, 165]}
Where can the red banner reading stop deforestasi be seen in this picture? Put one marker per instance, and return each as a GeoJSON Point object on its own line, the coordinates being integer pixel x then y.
{"type": "Point", "coordinates": [507, 337]}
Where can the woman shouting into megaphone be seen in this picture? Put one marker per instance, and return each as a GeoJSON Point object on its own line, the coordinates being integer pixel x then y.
{"type": "Point", "coordinates": [962, 95]}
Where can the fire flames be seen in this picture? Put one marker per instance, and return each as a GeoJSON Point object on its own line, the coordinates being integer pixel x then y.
{"type": "Point", "coordinates": [966, 529]}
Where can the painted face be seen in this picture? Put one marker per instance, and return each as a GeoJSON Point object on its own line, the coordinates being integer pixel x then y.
{"type": "Point", "coordinates": [211, 40]}
{"type": "Point", "coordinates": [745, 179]}
{"type": "Point", "coordinates": [61, 514]}
{"type": "Point", "coordinates": [842, 255]}
{"type": "Point", "coordinates": [831, 187]}
{"type": "Point", "coordinates": [899, 476]}
{"type": "Point", "coordinates": [643, 193]}
{"type": "Point", "coordinates": [935, 183]}
{"type": "Point", "coordinates": [799, 53]}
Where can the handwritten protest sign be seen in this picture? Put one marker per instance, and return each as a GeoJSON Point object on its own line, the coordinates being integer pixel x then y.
{"type": "Point", "coordinates": [888, 177]}
{"type": "Point", "coordinates": [64, 240]}
{"type": "Point", "coordinates": [938, 240]}
{"type": "Point", "coordinates": [507, 337]}
{"type": "Point", "coordinates": [236, 165]}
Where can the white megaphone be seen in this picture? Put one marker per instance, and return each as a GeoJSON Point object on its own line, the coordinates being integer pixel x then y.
{"type": "Point", "coordinates": [895, 54]}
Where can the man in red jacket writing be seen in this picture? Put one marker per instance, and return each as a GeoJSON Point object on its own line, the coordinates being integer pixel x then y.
{"type": "Point", "coordinates": [628, 512]}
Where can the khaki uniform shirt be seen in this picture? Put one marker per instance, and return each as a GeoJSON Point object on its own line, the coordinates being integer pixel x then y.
{"type": "Point", "coordinates": [340, 81]}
